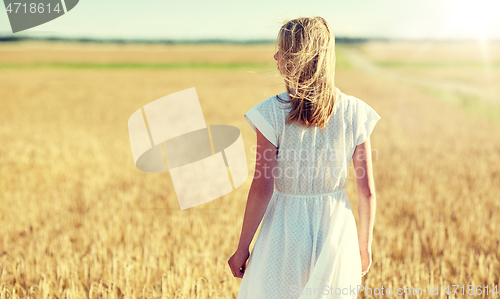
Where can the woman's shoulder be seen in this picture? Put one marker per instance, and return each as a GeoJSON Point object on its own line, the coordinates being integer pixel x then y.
{"type": "Point", "coordinates": [281, 100]}
{"type": "Point", "coordinates": [361, 111]}
{"type": "Point", "coordinates": [348, 98]}
{"type": "Point", "coordinates": [277, 100]}
{"type": "Point", "coordinates": [352, 102]}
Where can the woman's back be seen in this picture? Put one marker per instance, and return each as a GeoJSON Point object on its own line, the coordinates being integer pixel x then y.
{"type": "Point", "coordinates": [313, 160]}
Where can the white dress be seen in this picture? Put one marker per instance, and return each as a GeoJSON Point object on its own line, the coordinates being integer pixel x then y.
{"type": "Point", "coordinates": [308, 245]}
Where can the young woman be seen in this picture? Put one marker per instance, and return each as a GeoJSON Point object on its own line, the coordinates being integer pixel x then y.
{"type": "Point", "coordinates": [308, 245]}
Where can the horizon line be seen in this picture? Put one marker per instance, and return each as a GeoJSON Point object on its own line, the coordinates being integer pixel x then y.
{"type": "Point", "coordinates": [340, 39]}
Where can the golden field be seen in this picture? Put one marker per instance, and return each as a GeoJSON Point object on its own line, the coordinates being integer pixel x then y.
{"type": "Point", "coordinates": [78, 220]}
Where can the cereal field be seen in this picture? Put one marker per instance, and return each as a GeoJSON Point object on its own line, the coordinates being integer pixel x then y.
{"type": "Point", "coordinates": [78, 220]}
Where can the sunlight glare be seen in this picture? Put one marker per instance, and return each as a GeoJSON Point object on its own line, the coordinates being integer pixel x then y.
{"type": "Point", "coordinates": [474, 18]}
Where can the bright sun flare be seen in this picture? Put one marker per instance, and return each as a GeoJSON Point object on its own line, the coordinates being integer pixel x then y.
{"type": "Point", "coordinates": [474, 17]}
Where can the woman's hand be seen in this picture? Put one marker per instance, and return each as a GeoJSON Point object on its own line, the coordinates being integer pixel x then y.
{"type": "Point", "coordinates": [366, 260]}
{"type": "Point", "coordinates": [237, 262]}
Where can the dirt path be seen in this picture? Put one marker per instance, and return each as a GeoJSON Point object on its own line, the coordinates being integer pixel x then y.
{"type": "Point", "coordinates": [359, 61]}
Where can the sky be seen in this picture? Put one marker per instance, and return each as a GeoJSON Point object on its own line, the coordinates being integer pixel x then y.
{"type": "Point", "coordinates": [261, 19]}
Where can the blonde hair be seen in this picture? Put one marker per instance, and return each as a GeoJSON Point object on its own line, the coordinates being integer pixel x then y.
{"type": "Point", "coordinates": [307, 48]}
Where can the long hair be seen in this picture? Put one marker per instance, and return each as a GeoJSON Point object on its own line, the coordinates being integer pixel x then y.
{"type": "Point", "coordinates": [307, 48]}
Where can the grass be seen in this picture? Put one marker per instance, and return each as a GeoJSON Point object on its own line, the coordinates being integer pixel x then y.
{"type": "Point", "coordinates": [457, 64]}
{"type": "Point", "coordinates": [130, 65]}
{"type": "Point", "coordinates": [341, 60]}
{"type": "Point", "coordinates": [472, 104]}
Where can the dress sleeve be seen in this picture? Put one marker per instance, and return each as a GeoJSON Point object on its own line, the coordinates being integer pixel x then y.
{"type": "Point", "coordinates": [262, 116]}
{"type": "Point", "coordinates": [367, 118]}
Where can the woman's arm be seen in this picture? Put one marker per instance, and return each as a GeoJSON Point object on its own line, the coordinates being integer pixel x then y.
{"type": "Point", "coordinates": [259, 195]}
{"type": "Point", "coordinates": [365, 184]}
